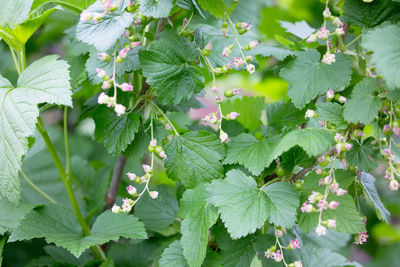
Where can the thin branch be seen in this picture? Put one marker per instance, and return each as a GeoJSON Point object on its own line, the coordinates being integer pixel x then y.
{"type": "Point", "coordinates": [31, 183]}
{"type": "Point", "coordinates": [115, 181]}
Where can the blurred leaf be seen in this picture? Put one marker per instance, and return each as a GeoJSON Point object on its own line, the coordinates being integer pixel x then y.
{"type": "Point", "coordinates": [11, 215]}
{"type": "Point", "coordinates": [133, 254]}
{"type": "Point", "coordinates": [77, 5]}
{"type": "Point", "coordinates": [14, 12]}
{"type": "Point", "coordinates": [315, 257]}
{"type": "Point", "coordinates": [267, 51]}
{"type": "Point", "coordinates": [155, 8]}
{"type": "Point", "coordinates": [296, 156]}
{"type": "Point", "coordinates": [284, 114]}
{"type": "Point", "coordinates": [217, 8]}
{"type": "Point", "coordinates": [62, 255]}
{"type": "Point", "coordinates": [333, 113]}
{"type": "Point", "coordinates": [173, 256]}
{"type": "Point", "coordinates": [300, 28]}
{"type": "Point", "coordinates": [361, 155]}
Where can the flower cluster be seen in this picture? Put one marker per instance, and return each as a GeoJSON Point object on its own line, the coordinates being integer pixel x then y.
{"type": "Point", "coordinates": [108, 7]}
{"type": "Point", "coordinates": [275, 252]}
{"type": "Point", "coordinates": [360, 238]}
{"type": "Point", "coordinates": [217, 117]}
{"type": "Point", "coordinates": [154, 148]}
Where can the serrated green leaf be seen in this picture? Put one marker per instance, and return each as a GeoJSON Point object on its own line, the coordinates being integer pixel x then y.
{"type": "Point", "coordinates": [300, 29]}
{"type": "Point", "coordinates": [58, 225]}
{"type": "Point", "coordinates": [361, 155]}
{"type": "Point", "coordinates": [131, 62]}
{"type": "Point", "coordinates": [308, 77]}
{"type": "Point", "coordinates": [382, 41]}
{"type": "Point", "coordinates": [108, 30]}
{"type": "Point", "coordinates": [217, 8]}
{"type": "Point", "coordinates": [198, 216]}
{"type": "Point", "coordinates": [194, 158]}
{"type": "Point", "coordinates": [369, 14]}
{"type": "Point", "coordinates": [173, 256]}
{"type": "Point", "coordinates": [156, 214]}
{"type": "Point", "coordinates": [45, 80]}
{"type": "Point", "coordinates": [14, 12]}
{"type": "Point", "coordinates": [155, 8]}
{"type": "Point", "coordinates": [368, 185]}
{"type": "Point", "coordinates": [242, 207]}
{"type": "Point", "coordinates": [11, 215]}
{"type": "Point", "coordinates": [363, 106]}
{"type": "Point", "coordinates": [267, 51]}
{"type": "Point", "coordinates": [256, 155]}
{"type": "Point", "coordinates": [249, 108]}
{"type": "Point", "coordinates": [333, 113]}
{"type": "Point", "coordinates": [315, 257]}
{"type": "Point", "coordinates": [166, 66]}
{"type": "Point", "coordinates": [213, 259]}
{"type": "Point", "coordinates": [77, 5]}
{"type": "Point", "coordinates": [62, 255]}
{"type": "Point", "coordinates": [284, 114]}
{"type": "Point", "coordinates": [250, 152]}
{"type": "Point", "coordinates": [296, 156]}
{"type": "Point", "coordinates": [117, 132]}
{"type": "Point", "coordinates": [284, 200]}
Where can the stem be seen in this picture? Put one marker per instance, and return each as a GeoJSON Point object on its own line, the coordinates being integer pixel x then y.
{"type": "Point", "coordinates": [237, 40]}
{"type": "Point", "coordinates": [14, 57]}
{"type": "Point", "coordinates": [31, 183]}
{"type": "Point", "coordinates": [23, 59]}
{"type": "Point", "coordinates": [115, 181]}
{"type": "Point", "coordinates": [352, 42]}
{"type": "Point", "coordinates": [269, 182]}
{"type": "Point", "coordinates": [187, 24]}
{"type": "Point", "coordinates": [68, 166]}
{"type": "Point", "coordinates": [166, 118]}
{"type": "Point", "coordinates": [85, 228]}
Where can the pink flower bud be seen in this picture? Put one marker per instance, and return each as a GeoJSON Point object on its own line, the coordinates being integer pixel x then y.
{"type": "Point", "coordinates": [320, 230]}
{"type": "Point", "coordinates": [211, 118]}
{"type": "Point", "coordinates": [219, 99]}
{"type": "Point", "coordinates": [393, 185]}
{"type": "Point", "coordinates": [253, 44]}
{"type": "Point", "coordinates": [135, 44]}
{"type": "Point", "coordinates": [233, 115]}
{"type": "Point", "coordinates": [323, 33]}
{"type": "Point", "coordinates": [278, 233]}
{"type": "Point", "coordinates": [330, 94]}
{"type": "Point", "coordinates": [103, 98]}
{"type": "Point", "coordinates": [126, 87]}
{"type": "Point", "coordinates": [123, 53]}
{"type": "Point", "coordinates": [227, 51]}
{"type": "Point", "coordinates": [338, 148]}
{"type": "Point", "coordinates": [396, 131]}
{"type": "Point", "coordinates": [322, 205]}
{"type": "Point", "coordinates": [331, 223]}
{"type": "Point", "coordinates": [131, 190]}
{"type": "Point", "coordinates": [127, 204]}
{"type": "Point", "coordinates": [214, 89]}
{"type": "Point", "coordinates": [236, 91]}
{"type": "Point", "coordinates": [223, 136]}
{"type": "Point", "coordinates": [137, 22]}
{"type": "Point", "coordinates": [245, 25]}
{"type": "Point", "coordinates": [86, 16]}
{"type": "Point", "coordinates": [341, 192]}
{"type": "Point", "coordinates": [328, 180]}
{"type": "Point", "coordinates": [334, 187]}
{"type": "Point", "coordinates": [131, 176]}
{"type": "Point", "coordinates": [106, 85]}
{"type": "Point", "coordinates": [238, 61]}
{"type": "Point", "coordinates": [328, 58]}
{"type": "Point", "coordinates": [311, 39]}
{"type": "Point", "coordinates": [306, 207]}
{"type": "Point", "coordinates": [361, 238]}
{"type": "Point", "coordinates": [103, 56]}
{"type": "Point", "coordinates": [119, 109]}
{"type": "Point", "coordinates": [327, 13]}
{"type": "Point", "coordinates": [116, 209]}
{"type": "Point", "coordinates": [251, 68]}
{"type": "Point", "coordinates": [153, 194]}
{"type": "Point", "coordinates": [101, 73]}
{"type": "Point", "coordinates": [333, 205]}
{"type": "Point", "coordinates": [153, 142]}
{"type": "Point", "coordinates": [294, 244]}
{"type": "Point", "coordinates": [163, 155]}
{"type": "Point", "coordinates": [127, 33]}
{"type": "Point", "coordinates": [146, 168]}
{"type": "Point", "coordinates": [348, 146]}
{"type": "Point", "coordinates": [208, 47]}
{"type": "Point", "coordinates": [342, 99]}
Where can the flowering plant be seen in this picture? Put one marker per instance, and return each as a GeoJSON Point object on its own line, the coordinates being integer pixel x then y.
{"type": "Point", "coordinates": [252, 182]}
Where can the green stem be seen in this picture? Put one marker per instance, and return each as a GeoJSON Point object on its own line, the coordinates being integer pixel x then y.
{"type": "Point", "coordinates": [14, 57]}
{"type": "Point", "coordinates": [31, 183]}
{"type": "Point", "coordinates": [352, 42]}
{"type": "Point", "coordinates": [75, 206]}
{"type": "Point", "coordinates": [187, 24]}
{"type": "Point", "coordinates": [68, 166]}
{"type": "Point", "coordinates": [23, 58]}
{"type": "Point", "coordinates": [269, 182]}
{"type": "Point", "coordinates": [166, 118]}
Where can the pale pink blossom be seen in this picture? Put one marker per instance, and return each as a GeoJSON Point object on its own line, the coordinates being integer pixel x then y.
{"type": "Point", "coordinates": [131, 190]}
{"type": "Point", "coordinates": [153, 194]}
{"type": "Point", "coordinates": [323, 33]}
{"type": "Point", "coordinates": [126, 87]}
{"type": "Point", "coordinates": [333, 205]}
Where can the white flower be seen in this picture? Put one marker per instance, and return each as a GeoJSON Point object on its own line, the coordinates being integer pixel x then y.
{"type": "Point", "coordinates": [131, 190]}
{"type": "Point", "coordinates": [327, 13]}
{"type": "Point", "coordinates": [223, 136]}
{"type": "Point", "coordinates": [119, 109]}
{"type": "Point", "coordinates": [310, 114]}
{"type": "Point", "coordinates": [146, 168]}
{"type": "Point", "coordinates": [211, 118]}
{"type": "Point", "coordinates": [253, 44]}
{"type": "Point", "coordinates": [331, 223]}
{"type": "Point", "coordinates": [153, 194]}
{"type": "Point", "coordinates": [103, 99]}
{"type": "Point", "coordinates": [330, 94]}
{"type": "Point", "coordinates": [333, 205]}
{"type": "Point", "coordinates": [116, 209]}
{"type": "Point", "coordinates": [320, 230]}
{"type": "Point", "coordinates": [131, 176]}
{"type": "Point", "coordinates": [312, 38]}
{"type": "Point", "coordinates": [393, 185]}
{"type": "Point", "coordinates": [251, 68]}
{"type": "Point", "coordinates": [342, 99]}
{"type": "Point", "coordinates": [339, 31]}
{"type": "Point", "coordinates": [323, 33]}
{"type": "Point", "coordinates": [328, 58]}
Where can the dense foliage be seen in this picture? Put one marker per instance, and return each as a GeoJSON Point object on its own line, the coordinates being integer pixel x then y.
{"type": "Point", "coordinates": [277, 181]}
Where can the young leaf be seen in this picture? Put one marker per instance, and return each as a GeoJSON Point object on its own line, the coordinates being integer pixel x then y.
{"type": "Point", "coordinates": [166, 66]}
{"type": "Point", "coordinates": [58, 225]}
{"type": "Point", "coordinates": [308, 77]}
{"type": "Point", "coordinates": [45, 80]}
{"type": "Point", "coordinates": [242, 206]}
{"type": "Point", "coordinates": [249, 108]}
{"type": "Point", "coordinates": [198, 216]}
{"type": "Point", "coordinates": [284, 200]}
{"type": "Point", "coordinates": [363, 106]}
{"type": "Point", "coordinates": [369, 14]}
{"type": "Point", "coordinates": [333, 113]}
{"type": "Point", "coordinates": [368, 185]}
{"type": "Point", "coordinates": [173, 256]}
{"type": "Point", "coordinates": [194, 158]}
{"type": "Point", "coordinates": [156, 8]}
{"type": "Point", "coordinates": [361, 155]}
{"type": "Point", "coordinates": [156, 214]}
{"type": "Point", "coordinates": [108, 30]}
{"type": "Point", "coordinates": [382, 41]}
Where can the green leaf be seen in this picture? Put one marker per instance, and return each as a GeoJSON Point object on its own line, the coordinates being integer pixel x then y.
{"type": "Point", "coordinates": [267, 50]}
{"type": "Point", "coordinates": [284, 114]}
{"type": "Point", "coordinates": [300, 29]}
{"type": "Point", "coordinates": [382, 41]}
{"type": "Point", "coordinates": [117, 132]}
{"type": "Point", "coordinates": [131, 62]}
{"type": "Point", "coordinates": [62, 255]}
{"type": "Point", "coordinates": [14, 12]}
{"type": "Point", "coordinates": [369, 14]}
{"type": "Point", "coordinates": [198, 216]}
{"type": "Point", "coordinates": [77, 5]}
{"type": "Point", "coordinates": [2, 243]}
{"type": "Point", "coordinates": [166, 66]}
{"type": "Point", "coordinates": [213, 259]}
{"type": "Point", "coordinates": [11, 215]}
{"type": "Point", "coordinates": [316, 256]}
{"type": "Point", "coordinates": [108, 30]}
{"type": "Point", "coordinates": [45, 80]}
{"type": "Point", "coordinates": [368, 185]}
{"type": "Point", "coordinates": [363, 106]}
{"type": "Point", "coordinates": [308, 77]}
{"type": "Point", "coordinates": [194, 158]}
{"type": "Point", "coordinates": [217, 8]}
{"type": "Point", "coordinates": [155, 8]}
{"type": "Point", "coordinates": [58, 225]}
{"type": "Point", "coordinates": [250, 152]}
{"type": "Point", "coordinates": [18, 36]}
{"type": "Point", "coordinates": [361, 155]}
{"type": "Point", "coordinates": [333, 113]}
{"type": "Point", "coordinates": [249, 108]}
{"type": "Point", "coordinates": [173, 256]}
{"type": "Point", "coordinates": [284, 200]}
{"type": "Point", "coordinates": [296, 156]}
{"type": "Point", "coordinates": [256, 155]}
{"type": "Point", "coordinates": [156, 214]}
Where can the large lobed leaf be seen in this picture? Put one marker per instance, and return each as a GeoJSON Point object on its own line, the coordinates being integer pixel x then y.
{"type": "Point", "coordinates": [45, 80]}
{"type": "Point", "coordinates": [194, 158]}
{"type": "Point", "coordinates": [217, 8]}
{"type": "Point", "coordinates": [156, 8]}
{"type": "Point", "coordinates": [166, 65]}
{"type": "Point", "coordinates": [308, 77]}
{"type": "Point", "coordinates": [58, 225]}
